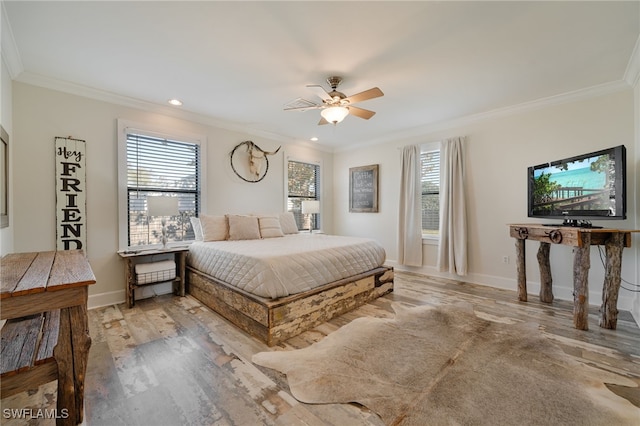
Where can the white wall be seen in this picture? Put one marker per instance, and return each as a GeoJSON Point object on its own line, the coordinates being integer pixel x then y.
{"type": "Point", "coordinates": [42, 114]}
{"type": "Point", "coordinates": [498, 152]}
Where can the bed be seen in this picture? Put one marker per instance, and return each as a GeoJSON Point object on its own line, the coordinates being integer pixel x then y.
{"type": "Point", "coordinates": [276, 288]}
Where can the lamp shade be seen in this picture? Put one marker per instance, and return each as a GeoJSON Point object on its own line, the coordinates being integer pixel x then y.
{"type": "Point", "coordinates": [309, 207]}
{"type": "Point", "coordinates": [334, 114]}
{"type": "Point", "coordinates": [162, 206]}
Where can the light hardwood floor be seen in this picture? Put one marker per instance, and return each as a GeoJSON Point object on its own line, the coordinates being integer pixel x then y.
{"type": "Point", "coordinates": [172, 361]}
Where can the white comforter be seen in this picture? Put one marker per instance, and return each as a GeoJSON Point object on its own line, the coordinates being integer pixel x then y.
{"type": "Point", "coordinates": [276, 267]}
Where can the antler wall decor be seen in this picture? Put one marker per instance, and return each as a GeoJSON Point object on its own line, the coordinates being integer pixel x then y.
{"type": "Point", "coordinates": [256, 158]}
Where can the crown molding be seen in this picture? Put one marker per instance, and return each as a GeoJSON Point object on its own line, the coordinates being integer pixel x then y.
{"type": "Point", "coordinates": [10, 53]}
{"type": "Point", "coordinates": [574, 96]}
{"type": "Point", "coordinates": [117, 99]}
{"type": "Point", "coordinates": [101, 95]}
{"type": "Point", "coordinates": [632, 73]}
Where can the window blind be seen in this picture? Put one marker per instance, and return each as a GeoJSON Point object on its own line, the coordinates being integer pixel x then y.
{"type": "Point", "coordinates": [155, 167]}
{"type": "Point", "coordinates": [430, 180]}
{"type": "Point", "coordinates": [303, 184]}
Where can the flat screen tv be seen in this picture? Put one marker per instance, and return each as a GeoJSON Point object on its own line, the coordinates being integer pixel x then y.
{"type": "Point", "coordinates": [579, 189]}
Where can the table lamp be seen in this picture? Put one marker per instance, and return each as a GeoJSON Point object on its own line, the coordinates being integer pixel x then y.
{"type": "Point", "coordinates": [310, 207]}
{"type": "Point", "coordinates": [162, 206]}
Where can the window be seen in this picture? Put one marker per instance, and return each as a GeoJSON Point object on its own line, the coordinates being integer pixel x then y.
{"type": "Point", "coordinates": [159, 166]}
{"type": "Point", "coordinates": [303, 183]}
{"type": "Point", "coordinates": [430, 179]}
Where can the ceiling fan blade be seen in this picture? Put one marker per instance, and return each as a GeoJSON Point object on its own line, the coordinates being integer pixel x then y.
{"type": "Point", "coordinates": [303, 108]}
{"type": "Point", "coordinates": [361, 112]}
{"type": "Point", "coordinates": [300, 104]}
{"type": "Point", "coordinates": [363, 96]}
{"type": "Point", "coordinates": [322, 121]}
{"type": "Point", "coordinates": [320, 91]}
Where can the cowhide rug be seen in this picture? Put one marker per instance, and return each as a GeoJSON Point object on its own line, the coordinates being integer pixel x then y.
{"type": "Point", "coordinates": [432, 366]}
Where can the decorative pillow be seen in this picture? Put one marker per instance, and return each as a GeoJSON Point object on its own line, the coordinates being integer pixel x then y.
{"type": "Point", "coordinates": [288, 223]}
{"type": "Point", "coordinates": [270, 227]}
{"type": "Point", "coordinates": [197, 228]}
{"type": "Point", "coordinates": [243, 227]}
{"type": "Point", "coordinates": [214, 228]}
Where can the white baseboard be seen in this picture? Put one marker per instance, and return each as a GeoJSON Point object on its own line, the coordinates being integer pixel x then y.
{"type": "Point", "coordinates": [635, 312]}
{"type": "Point", "coordinates": [533, 287]}
{"type": "Point", "coordinates": [106, 299]}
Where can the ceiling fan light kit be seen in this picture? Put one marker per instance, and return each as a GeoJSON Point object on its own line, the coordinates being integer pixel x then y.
{"type": "Point", "coordinates": [335, 105]}
{"type": "Point", "coordinates": [335, 114]}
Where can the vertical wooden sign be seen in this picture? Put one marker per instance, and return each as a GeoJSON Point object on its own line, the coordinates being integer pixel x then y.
{"type": "Point", "coordinates": [71, 194]}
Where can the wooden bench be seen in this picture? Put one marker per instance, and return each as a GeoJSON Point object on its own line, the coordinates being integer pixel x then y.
{"type": "Point", "coordinates": [28, 352]}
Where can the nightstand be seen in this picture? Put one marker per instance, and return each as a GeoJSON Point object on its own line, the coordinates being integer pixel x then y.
{"type": "Point", "coordinates": [133, 257]}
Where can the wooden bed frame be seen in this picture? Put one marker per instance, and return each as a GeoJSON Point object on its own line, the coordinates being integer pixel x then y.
{"type": "Point", "coordinates": [276, 320]}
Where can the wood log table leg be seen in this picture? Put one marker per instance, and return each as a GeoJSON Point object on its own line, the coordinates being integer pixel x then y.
{"type": "Point", "coordinates": [63, 354]}
{"type": "Point", "coordinates": [521, 269]}
{"type": "Point", "coordinates": [72, 354]}
{"type": "Point", "coordinates": [129, 276]}
{"type": "Point", "coordinates": [181, 260]}
{"type": "Point", "coordinates": [581, 265]}
{"type": "Point", "coordinates": [81, 341]}
{"type": "Point", "coordinates": [546, 282]}
{"type": "Point", "coordinates": [612, 278]}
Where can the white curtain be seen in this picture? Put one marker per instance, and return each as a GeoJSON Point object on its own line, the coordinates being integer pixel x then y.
{"type": "Point", "coordinates": [452, 250]}
{"type": "Point", "coordinates": [410, 214]}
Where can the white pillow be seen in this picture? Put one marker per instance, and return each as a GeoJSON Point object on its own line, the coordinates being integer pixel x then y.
{"type": "Point", "coordinates": [243, 227]}
{"type": "Point", "coordinates": [288, 223]}
{"type": "Point", "coordinates": [214, 228]}
{"type": "Point", "coordinates": [197, 228]}
{"type": "Point", "coordinates": [270, 227]}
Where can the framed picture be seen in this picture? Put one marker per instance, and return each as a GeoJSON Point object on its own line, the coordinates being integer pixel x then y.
{"type": "Point", "coordinates": [4, 178]}
{"type": "Point", "coordinates": [363, 189]}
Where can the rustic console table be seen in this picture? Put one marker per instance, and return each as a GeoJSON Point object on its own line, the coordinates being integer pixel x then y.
{"type": "Point", "coordinates": [130, 257]}
{"type": "Point", "coordinates": [36, 282]}
{"type": "Point", "coordinates": [581, 239]}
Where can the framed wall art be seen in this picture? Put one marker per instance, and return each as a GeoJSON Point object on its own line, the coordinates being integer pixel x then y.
{"type": "Point", "coordinates": [363, 189]}
{"type": "Point", "coordinates": [4, 178]}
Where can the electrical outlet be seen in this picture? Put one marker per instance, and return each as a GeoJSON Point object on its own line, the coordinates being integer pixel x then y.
{"type": "Point", "coordinates": [505, 259]}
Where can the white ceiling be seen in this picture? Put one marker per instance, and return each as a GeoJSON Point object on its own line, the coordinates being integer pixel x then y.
{"type": "Point", "coordinates": [237, 64]}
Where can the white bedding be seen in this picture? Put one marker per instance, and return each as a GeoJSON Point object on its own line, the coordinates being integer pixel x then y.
{"type": "Point", "coordinates": [277, 267]}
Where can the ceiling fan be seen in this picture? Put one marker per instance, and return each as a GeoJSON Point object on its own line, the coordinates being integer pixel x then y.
{"type": "Point", "coordinates": [335, 105]}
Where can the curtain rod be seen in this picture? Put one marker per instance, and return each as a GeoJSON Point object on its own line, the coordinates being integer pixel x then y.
{"type": "Point", "coordinates": [421, 145]}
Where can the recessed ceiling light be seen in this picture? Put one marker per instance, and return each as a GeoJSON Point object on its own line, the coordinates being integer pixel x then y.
{"type": "Point", "coordinates": [314, 139]}
{"type": "Point", "coordinates": [175, 102]}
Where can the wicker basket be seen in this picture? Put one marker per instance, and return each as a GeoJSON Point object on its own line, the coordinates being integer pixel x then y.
{"type": "Point", "coordinates": [155, 272]}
